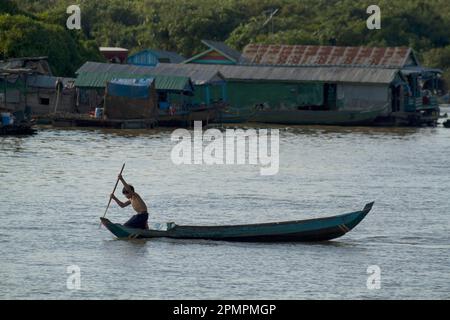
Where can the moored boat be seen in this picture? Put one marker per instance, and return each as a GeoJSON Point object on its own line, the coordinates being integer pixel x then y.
{"type": "Point", "coordinates": [319, 117]}
{"type": "Point", "coordinates": [312, 230]}
{"type": "Point", "coordinates": [17, 130]}
{"type": "Point", "coordinates": [230, 115]}
{"type": "Point", "coordinates": [184, 117]}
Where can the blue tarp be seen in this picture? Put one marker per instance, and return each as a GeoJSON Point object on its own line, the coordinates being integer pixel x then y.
{"type": "Point", "coordinates": [130, 88]}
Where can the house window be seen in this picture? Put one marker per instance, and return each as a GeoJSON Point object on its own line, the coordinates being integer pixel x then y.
{"type": "Point", "coordinates": [44, 101]}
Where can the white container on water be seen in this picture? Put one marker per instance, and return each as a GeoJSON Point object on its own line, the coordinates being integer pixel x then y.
{"type": "Point", "coordinates": [98, 113]}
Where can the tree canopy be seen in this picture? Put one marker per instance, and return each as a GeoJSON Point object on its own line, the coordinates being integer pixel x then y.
{"type": "Point", "coordinates": [179, 25]}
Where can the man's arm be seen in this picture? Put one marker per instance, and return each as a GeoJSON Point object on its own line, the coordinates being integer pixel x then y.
{"type": "Point", "coordinates": [120, 203]}
{"type": "Point", "coordinates": [125, 184]}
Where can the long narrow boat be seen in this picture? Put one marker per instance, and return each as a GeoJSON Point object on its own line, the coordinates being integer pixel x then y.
{"type": "Point", "coordinates": [312, 230]}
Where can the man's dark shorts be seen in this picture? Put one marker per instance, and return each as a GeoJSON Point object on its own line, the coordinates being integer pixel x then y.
{"type": "Point", "coordinates": [138, 221]}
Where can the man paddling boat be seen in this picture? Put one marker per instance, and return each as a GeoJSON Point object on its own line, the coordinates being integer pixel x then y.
{"type": "Point", "coordinates": [140, 219]}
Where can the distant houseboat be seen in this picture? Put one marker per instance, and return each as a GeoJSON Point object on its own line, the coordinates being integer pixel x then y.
{"type": "Point", "coordinates": [301, 84]}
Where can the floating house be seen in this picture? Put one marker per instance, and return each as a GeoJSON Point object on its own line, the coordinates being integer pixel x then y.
{"type": "Point", "coordinates": [48, 94]}
{"type": "Point", "coordinates": [390, 81]}
{"type": "Point", "coordinates": [152, 57]}
{"type": "Point", "coordinates": [334, 95]}
{"type": "Point", "coordinates": [28, 84]}
{"type": "Point", "coordinates": [412, 102]}
{"type": "Point", "coordinates": [13, 79]}
{"type": "Point", "coordinates": [15, 94]}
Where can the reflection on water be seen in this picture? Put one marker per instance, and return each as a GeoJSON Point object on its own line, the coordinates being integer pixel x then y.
{"type": "Point", "coordinates": [56, 185]}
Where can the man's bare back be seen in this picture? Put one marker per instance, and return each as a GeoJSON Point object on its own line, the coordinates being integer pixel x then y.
{"type": "Point", "coordinates": [137, 203]}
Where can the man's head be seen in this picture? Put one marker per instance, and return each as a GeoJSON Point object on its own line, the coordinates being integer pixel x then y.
{"type": "Point", "coordinates": [126, 193]}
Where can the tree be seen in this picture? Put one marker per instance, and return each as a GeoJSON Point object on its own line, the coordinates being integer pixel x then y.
{"type": "Point", "coordinates": [22, 36]}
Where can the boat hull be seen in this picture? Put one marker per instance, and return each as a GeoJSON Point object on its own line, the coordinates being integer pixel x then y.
{"type": "Point", "coordinates": [186, 118]}
{"type": "Point", "coordinates": [20, 130]}
{"type": "Point", "coordinates": [234, 116]}
{"type": "Point", "coordinates": [305, 117]}
{"type": "Point", "coordinates": [312, 230]}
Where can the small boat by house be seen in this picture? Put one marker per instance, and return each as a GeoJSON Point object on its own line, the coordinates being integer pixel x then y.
{"type": "Point", "coordinates": [316, 117]}
{"type": "Point", "coordinates": [17, 130]}
{"type": "Point", "coordinates": [15, 124]}
{"type": "Point", "coordinates": [234, 115]}
{"type": "Point", "coordinates": [173, 117]}
{"type": "Point", "coordinates": [64, 120]}
{"type": "Point", "coordinates": [312, 230]}
{"type": "Point", "coordinates": [184, 116]}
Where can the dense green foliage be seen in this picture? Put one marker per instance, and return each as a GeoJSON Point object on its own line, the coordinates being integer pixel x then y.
{"type": "Point", "coordinates": [179, 25]}
{"type": "Point", "coordinates": [25, 35]}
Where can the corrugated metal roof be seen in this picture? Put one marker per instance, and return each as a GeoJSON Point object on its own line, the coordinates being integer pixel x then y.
{"type": "Point", "coordinates": [255, 72]}
{"type": "Point", "coordinates": [326, 55]}
{"type": "Point", "coordinates": [275, 73]}
{"type": "Point", "coordinates": [35, 64]}
{"type": "Point", "coordinates": [48, 82]}
{"type": "Point", "coordinates": [112, 67]}
{"type": "Point", "coordinates": [223, 48]}
{"type": "Point", "coordinates": [198, 76]}
{"type": "Point", "coordinates": [162, 82]}
{"type": "Point", "coordinates": [23, 60]}
{"type": "Point", "coordinates": [172, 56]}
{"type": "Point", "coordinates": [150, 57]}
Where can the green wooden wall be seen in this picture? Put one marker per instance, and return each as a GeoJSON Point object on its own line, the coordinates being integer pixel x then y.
{"type": "Point", "coordinates": [246, 95]}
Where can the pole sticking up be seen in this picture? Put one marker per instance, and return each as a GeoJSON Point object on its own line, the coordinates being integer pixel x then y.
{"type": "Point", "coordinates": [114, 190]}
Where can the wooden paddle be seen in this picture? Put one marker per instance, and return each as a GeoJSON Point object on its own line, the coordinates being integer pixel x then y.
{"type": "Point", "coordinates": [114, 190]}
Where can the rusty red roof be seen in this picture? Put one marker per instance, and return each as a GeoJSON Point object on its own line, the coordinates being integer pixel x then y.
{"type": "Point", "coordinates": [265, 54]}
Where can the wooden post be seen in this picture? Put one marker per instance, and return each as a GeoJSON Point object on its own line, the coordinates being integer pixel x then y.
{"type": "Point", "coordinates": [104, 102]}
{"type": "Point", "coordinates": [4, 91]}
{"type": "Point", "coordinates": [57, 95]}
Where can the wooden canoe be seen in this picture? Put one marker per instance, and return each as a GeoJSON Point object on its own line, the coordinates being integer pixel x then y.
{"type": "Point", "coordinates": [311, 230]}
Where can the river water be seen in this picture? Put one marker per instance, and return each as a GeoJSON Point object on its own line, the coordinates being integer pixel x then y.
{"type": "Point", "coordinates": [56, 184]}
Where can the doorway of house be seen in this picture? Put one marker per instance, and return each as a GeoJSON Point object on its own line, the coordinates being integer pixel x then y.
{"type": "Point", "coordinates": [396, 101]}
{"type": "Point", "coordinates": [330, 96]}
